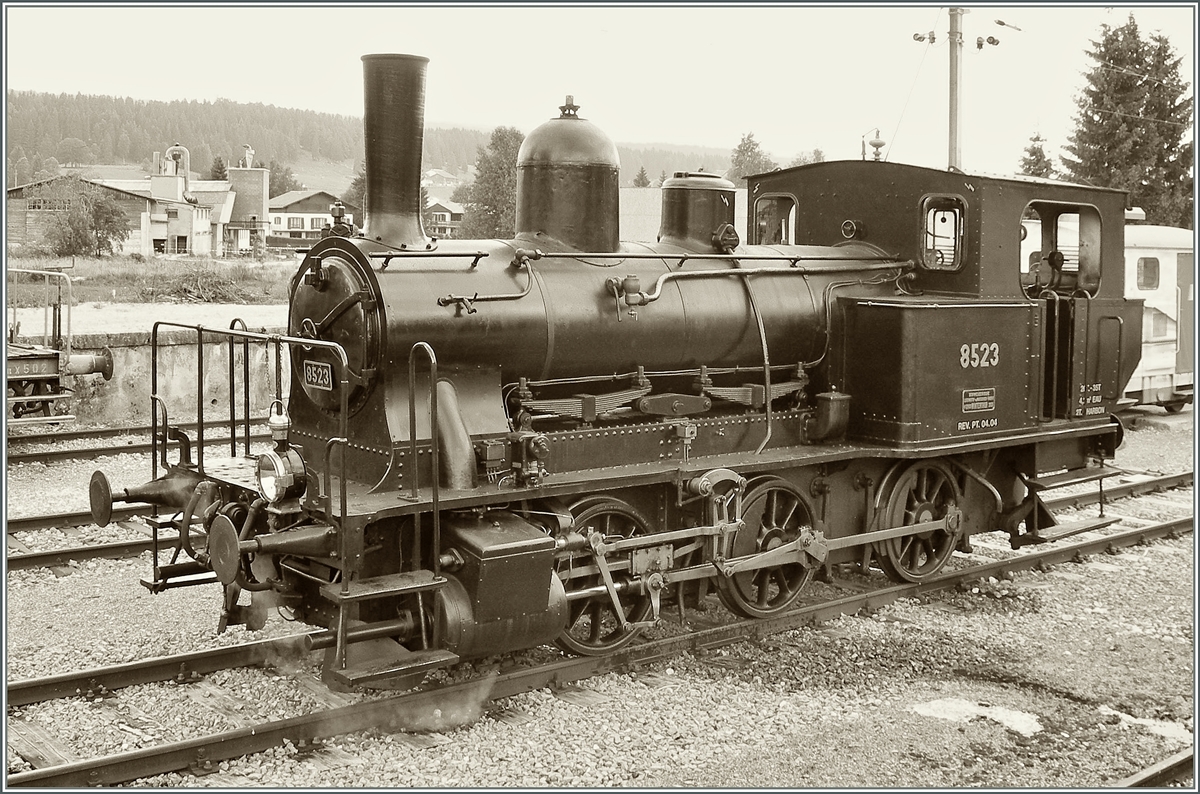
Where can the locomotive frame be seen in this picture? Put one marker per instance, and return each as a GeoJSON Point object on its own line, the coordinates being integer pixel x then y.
{"type": "Point", "coordinates": [871, 380]}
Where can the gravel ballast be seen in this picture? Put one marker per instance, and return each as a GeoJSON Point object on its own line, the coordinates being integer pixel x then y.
{"type": "Point", "coordinates": [1072, 677]}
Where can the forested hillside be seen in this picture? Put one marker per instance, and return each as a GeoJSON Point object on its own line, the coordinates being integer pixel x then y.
{"type": "Point", "coordinates": [49, 131]}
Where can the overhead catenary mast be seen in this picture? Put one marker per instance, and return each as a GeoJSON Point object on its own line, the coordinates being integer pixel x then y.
{"type": "Point", "coordinates": [955, 81]}
{"type": "Point", "coordinates": [956, 43]}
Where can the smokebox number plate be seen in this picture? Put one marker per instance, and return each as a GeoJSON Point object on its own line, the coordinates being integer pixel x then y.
{"type": "Point", "coordinates": [318, 375]}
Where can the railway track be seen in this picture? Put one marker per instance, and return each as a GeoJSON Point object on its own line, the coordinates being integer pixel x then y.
{"type": "Point", "coordinates": [98, 433]}
{"type": "Point", "coordinates": [130, 447]}
{"type": "Point", "coordinates": [23, 560]}
{"type": "Point", "coordinates": [201, 754]}
{"type": "Point", "coordinates": [1175, 769]}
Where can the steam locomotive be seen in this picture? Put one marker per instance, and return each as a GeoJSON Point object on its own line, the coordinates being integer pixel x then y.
{"type": "Point", "coordinates": [490, 445]}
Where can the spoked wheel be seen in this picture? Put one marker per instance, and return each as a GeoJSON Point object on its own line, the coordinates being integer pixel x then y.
{"type": "Point", "coordinates": [593, 627]}
{"type": "Point", "coordinates": [925, 491]}
{"type": "Point", "coordinates": [774, 512]}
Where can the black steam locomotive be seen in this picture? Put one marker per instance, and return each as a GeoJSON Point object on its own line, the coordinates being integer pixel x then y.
{"type": "Point", "coordinates": [494, 444]}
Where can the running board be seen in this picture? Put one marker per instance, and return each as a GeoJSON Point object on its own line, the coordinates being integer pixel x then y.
{"type": "Point", "coordinates": [1073, 477]}
{"type": "Point", "coordinates": [394, 584]}
{"type": "Point", "coordinates": [1061, 531]}
{"type": "Point", "coordinates": [404, 666]}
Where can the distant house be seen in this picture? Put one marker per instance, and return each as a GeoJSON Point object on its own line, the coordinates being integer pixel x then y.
{"type": "Point", "coordinates": [168, 211]}
{"type": "Point", "coordinates": [236, 206]}
{"type": "Point", "coordinates": [446, 219]}
{"type": "Point", "coordinates": [436, 177]}
{"type": "Point", "coordinates": [302, 214]}
{"type": "Point", "coordinates": [28, 215]}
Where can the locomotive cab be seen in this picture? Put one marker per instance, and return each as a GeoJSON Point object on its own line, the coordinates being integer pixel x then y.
{"type": "Point", "coordinates": [1025, 364]}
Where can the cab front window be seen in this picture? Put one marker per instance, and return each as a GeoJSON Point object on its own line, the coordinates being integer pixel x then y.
{"type": "Point", "coordinates": [775, 220]}
{"type": "Point", "coordinates": [944, 232]}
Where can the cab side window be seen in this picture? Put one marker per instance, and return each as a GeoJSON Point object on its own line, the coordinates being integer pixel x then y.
{"type": "Point", "coordinates": [944, 232]}
{"type": "Point", "coordinates": [775, 221]}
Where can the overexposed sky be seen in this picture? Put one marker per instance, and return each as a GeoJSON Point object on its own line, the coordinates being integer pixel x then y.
{"type": "Point", "coordinates": [798, 77]}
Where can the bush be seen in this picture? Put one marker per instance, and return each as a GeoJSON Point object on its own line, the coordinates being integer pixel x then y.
{"type": "Point", "coordinates": [138, 279]}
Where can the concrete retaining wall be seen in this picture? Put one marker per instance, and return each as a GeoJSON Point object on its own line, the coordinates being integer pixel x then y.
{"type": "Point", "coordinates": [125, 400]}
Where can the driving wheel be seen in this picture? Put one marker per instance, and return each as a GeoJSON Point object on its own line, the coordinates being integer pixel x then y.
{"type": "Point", "coordinates": [925, 491]}
{"type": "Point", "coordinates": [774, 512]}
{"type": "Point", "coordinates": [593, 625]}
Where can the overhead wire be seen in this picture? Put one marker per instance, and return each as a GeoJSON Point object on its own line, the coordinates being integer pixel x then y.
{"type": "Point", "coordinates": [1112, 67]}
{"type": "Point", "coordinates": [1131, 116]}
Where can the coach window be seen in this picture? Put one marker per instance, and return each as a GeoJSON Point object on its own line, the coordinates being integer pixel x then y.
{"type": "Point", "coordinates": [1147, 272]}
{"type": "Point", "coordinates": [945, 224]}
{"type": "Point", "coordinates": [775, 220]}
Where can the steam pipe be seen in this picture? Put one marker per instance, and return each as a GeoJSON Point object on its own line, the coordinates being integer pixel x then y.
{"type": "Point", "coordinates": [656, 293]}
{"type": "Point", "coordinates": [206, 490]}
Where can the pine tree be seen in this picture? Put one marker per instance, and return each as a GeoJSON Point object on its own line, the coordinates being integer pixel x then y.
{"type": "Point", "coordinates": [1131, 121]}
{"type": "Point", "coordinates": [426, 209]}
{"type": "Point", "coordinates": [641, 180]}
{"type": "Point", "coordinates": [661, 178]}
{"type": "Point", "coordinates": [748, 158]}
{"type": "Point", "coordinates": [218, 170]}
{"type": "Point", "coordinates": [490, 204]}
{"type": "Point", "coordinates": [1035, 162]}
{"type": "Point", "coordinates": [281, 180]}
{"type": "Point", "coordinates": [356, 194]}
{"type": "Point", "coordinates": [1169, 188]}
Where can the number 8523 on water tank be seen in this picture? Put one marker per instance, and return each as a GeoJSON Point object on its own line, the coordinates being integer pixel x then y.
{"type": "Point", "coordinates": [978, 355]}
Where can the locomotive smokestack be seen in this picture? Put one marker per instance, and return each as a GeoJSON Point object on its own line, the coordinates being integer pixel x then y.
{"type": "Point", "coordinates": [393, 128]}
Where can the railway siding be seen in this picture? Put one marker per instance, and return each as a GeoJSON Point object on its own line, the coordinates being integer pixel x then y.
{"type": "Point", "coordinates": [125, 329]}
{"type": "Point", "coordinates": [861, 655]}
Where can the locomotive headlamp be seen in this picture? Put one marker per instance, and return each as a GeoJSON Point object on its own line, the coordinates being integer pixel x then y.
{"type": "Point", "coordinates": [281, 475]}
{"type": "Point", "coordinates": [279, 423]}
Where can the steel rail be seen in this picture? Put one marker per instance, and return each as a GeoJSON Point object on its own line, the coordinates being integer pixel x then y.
{"type": "Point", "coordinates": [1135, 488]}
{"type": "Point", "coordinates": [384, 713]}
{"type": "Point", "coordinates": [32, 523]}
{"type": "Point", "coordinates": [54, 455]}
{"type": "Point", "coordinates": [99, 551]}
{"type": "Point", "coordinates": [181, 668]}
{"type": "Point", "coordinates": [1178, 767]}
{"type": "Point", "coordinates": [89, 433]}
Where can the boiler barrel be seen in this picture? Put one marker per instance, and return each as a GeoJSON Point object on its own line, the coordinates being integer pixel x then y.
{"type": "Point", "coordinates": [556, 317]}
{"type": "Point", "coordinates": [570, 325]}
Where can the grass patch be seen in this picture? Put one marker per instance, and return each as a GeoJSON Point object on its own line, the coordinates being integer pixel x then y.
{"type": "Point", "coordinates": [160, 279]}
